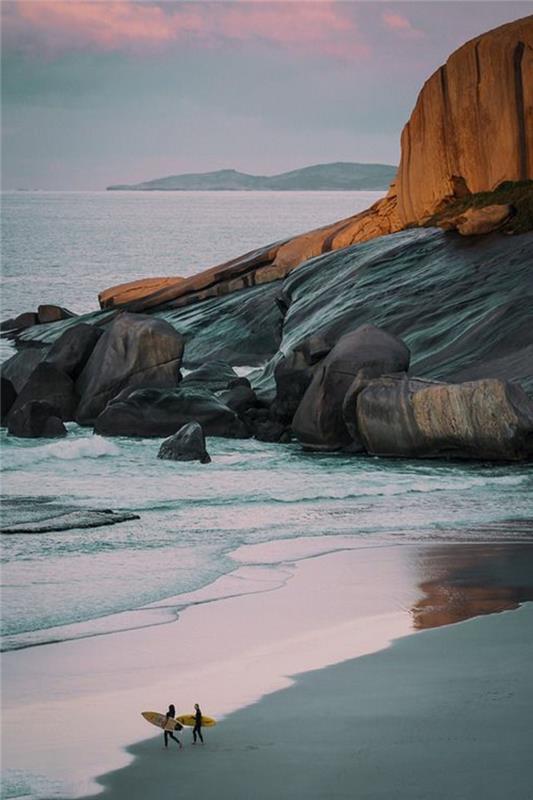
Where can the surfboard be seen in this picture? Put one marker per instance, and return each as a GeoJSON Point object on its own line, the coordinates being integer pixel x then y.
{"type": "Point", "coordinates": [189, 720]}
{"type": "Point", "coordinates": [160, 720]}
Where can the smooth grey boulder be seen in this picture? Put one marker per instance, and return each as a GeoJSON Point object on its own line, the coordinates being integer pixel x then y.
{"type": "Point", "coordinates": [188, 444]}
{"type": "Point", "coordinates": [488, 419]}
{"type": "Point", "coordinates": [158, 412]}
{"type": "Point", "coordinates": [49, 384]}
{"type": "Point", "coordinates": [318, 423]}
{"type": "Point", "coordinates": [136, 350]}
{"type": "Point", "coordinates": [19, 367]}
{"type": "Point", "coordinates": [8, 396]}
{"type": "Point", "coordinates": [293, 373]}
{"type": "Point", "coordinates": [35, 419]}
{"type": "Point", "coordinates": [71, 351]}
{"type": "Point", "coordinates": [214, 375]}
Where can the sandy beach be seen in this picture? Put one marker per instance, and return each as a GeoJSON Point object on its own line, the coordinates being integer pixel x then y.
{"type": "Point", "coordinates": [279, 652]}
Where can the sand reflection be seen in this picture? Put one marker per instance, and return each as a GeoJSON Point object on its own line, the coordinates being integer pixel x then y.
{"type": "Point", "coordinates": [463, 581]}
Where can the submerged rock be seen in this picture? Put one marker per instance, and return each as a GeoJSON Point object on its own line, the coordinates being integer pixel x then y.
{"type": "Point", "coordinates": [35, 419]}
{"type": "Point", "coordinates": [188, 444]}
{"type": "Point", "coordinates": [318, 423]}
{"type": "Point", "coordinates": [158, 412]}
{"type": "Point", "coordinates": [486, 419]}
{"type": "Point", "coordinates": [135, 351]}
{"type": "Point", "coordinates": [82, 518]}
{"type": "Point", "coordinates": [49, 384]}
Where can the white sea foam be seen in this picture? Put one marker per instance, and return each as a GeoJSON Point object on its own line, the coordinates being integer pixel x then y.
{"type": "Point", "coordinates": [70, 449]}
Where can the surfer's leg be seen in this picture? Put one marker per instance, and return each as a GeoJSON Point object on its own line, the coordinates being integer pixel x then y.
{"type": "Point", "coordinates": [176, 740]}
{"type": "Point", "coordinates": [166, 738]}
{"type": "Point", "coordinates": [200, 735]}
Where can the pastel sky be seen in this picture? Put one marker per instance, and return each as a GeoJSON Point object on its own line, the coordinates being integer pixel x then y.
{"type": "Point", "coordinates": [119, 91]}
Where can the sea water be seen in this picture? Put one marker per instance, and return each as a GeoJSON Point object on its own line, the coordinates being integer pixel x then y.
{"type": "Point", "coordinates": [64, 248]}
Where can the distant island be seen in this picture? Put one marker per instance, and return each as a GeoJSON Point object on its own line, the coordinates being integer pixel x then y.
{"type": "Point", "coordinates": [338, 176]}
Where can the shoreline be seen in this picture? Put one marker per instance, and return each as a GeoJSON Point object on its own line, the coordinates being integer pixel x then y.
{"type": "Point", "coordinates": [453, 722]}
{"type": "Point", "coordinates": [326, 608]}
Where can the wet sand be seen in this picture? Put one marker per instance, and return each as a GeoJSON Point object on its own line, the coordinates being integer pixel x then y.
{"type": "Point", "coordinates": [443, 715]}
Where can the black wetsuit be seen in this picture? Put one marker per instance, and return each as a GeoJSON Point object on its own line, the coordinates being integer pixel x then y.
{"type": "Point", "coordinates": [169, 733]}
{"type": "Point", "coordinates": [197, 730]}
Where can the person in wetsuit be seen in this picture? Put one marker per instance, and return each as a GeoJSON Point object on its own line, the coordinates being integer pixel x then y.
{"type": "Point", "coordinates": [171, 713]}
{"type": "Point", "coordinates": [197, 730]}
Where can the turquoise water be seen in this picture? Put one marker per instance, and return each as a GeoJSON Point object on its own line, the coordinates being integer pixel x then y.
{"type": "Point", "coordinates": [64, 248]}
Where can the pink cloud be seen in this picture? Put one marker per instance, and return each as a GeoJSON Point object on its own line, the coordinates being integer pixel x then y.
{"type": "Point", "coordinates": [56, 26]}
{"type": "Point", "coordinates": [400, 24]}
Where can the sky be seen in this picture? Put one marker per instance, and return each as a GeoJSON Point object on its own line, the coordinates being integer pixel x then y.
{"type": "Point", "coordinates": [120, 91]}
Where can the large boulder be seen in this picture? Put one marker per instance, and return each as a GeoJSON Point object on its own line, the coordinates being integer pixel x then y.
{"type": "Point", "coordinates": [188, 444]}
{"type": "Point", "coordinates": [293, 373]}
{"type": "Point", "coordinates": [49, 384]}
{"type": "Point", "coordinates": [8, 396]}
{"type": "Point", "coordinates": [71, 351]}
{"type": "Point", "coordinates": [135, 351]}
{"type": "Point", "coordinates": [318, 423]}
{"type": "Point", "coordinates": [36, 418]}
{"type": "Point", "coordinates": [19, 367]}
{"type": "Point", "coordinates": [159, 412]}
{"type": "Point", "coordinates": [486, 419]}
{"type": "Point", "coordinates": [214, 375]}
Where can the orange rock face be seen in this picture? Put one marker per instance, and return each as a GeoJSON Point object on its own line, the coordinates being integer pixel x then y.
{"type": "Point", "coordinates": [472, 126]}
{"type": "Point", "coordinates": [471, 129]}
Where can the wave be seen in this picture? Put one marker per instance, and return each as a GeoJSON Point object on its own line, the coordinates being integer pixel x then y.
{"type": "Point", "coordinates": [68, 450]}
{"type": "Point", "coordinates": [388, 490]}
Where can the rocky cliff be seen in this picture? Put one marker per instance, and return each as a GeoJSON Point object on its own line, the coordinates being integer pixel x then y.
{"type": "Point", "coordinates": [472, 125]}
{"type": "Point", "coordinates": [471, 130]}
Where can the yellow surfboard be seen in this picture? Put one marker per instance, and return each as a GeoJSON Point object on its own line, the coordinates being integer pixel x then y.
{"type": "Point", "coordinates": [160, 721]}
{"type": "Point", "coordinates": [189, 720]}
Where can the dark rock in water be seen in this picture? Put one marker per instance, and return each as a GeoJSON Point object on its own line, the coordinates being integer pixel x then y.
{"type": "Point", "coordinates": [8, 396]}
{"type": "Point", "coordinates": [158, 412]}
{"type": "Point", "coordinates": [239, 398]}
{"type": "Point", "coordinates": [272, 431]}
{"type": "Point", "coordinates": [36, 418]}
{"type": "Point", "coordinates": [135, 351]}
{"type": "Point", "coordinates": [49, 384]}
{"type": "Point", "coordinates": [318, 423]}
{"type": "Point", "coordinates": [25, 320]}
{"type": "Point", "coordinates": [486, 419]}
{"type": "Point", "coordinates": [293, 374]}
{"type": "Point", "coordinates": [51, 313]}
{"type": "Point", "coordinates": [213, 375]}
{"type": "Point", "coordinates": [19, 367]}
{"type": "Point", "coordinates": [241, 381]}
{"type": "Point", "coordinates": [188, 444]}
{"type": "Point", "coordinates": [83, 518]}
{"type": "Point", "coordinates": [71, 351]}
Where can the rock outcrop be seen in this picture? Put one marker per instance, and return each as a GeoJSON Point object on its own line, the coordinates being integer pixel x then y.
{"type": "Point", "coordinates": [158, 412]}
{"type": "Point", "coordinates": [188, 444]}
{"type": "Point", "coordinates": [135, 351]}
{"type": "Point", "coordinates": [214, 375]}
{"type": "Point", "coordinates": [19, 367]}
{"type": "Point", "coordinates": [471, 126]}
{"type": "Point", "coordinates": [318, 423]}
{"type": "Point", "coordinates": [478, 221]}
{"type": "Point", "coordinates": [487, 419]}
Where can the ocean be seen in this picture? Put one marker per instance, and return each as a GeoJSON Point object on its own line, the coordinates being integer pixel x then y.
{"type": "Point", "coordinates": [65, 247]}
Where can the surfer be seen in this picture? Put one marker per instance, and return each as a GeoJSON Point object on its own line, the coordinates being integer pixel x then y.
{"type": "Point", "coordinates": [197, 730]}
{"type": "Point", "coordinates": [170, 726]}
